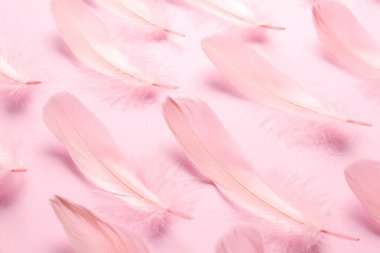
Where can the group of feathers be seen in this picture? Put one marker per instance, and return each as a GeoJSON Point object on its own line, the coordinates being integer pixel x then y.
{"type": "Point", "coordinates": [196, 127]}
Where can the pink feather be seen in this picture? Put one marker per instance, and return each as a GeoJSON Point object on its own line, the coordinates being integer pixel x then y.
{"type": "Point", "coordinates": [363, 177]}
{"type": "Point", "coordinates": [345, 39]}
{"type": "Point", "coordinates": [10, 77]}
{"type": "Point", "coordinates": [241, 239]}
{"type": "Point", "coordinates": [139, 11]}
{"type": "Point", "coordinates": [88, 233]}
{"type": "Point", "coordinates": [210, 148]}
{"type": "Point", "coordinates": [232, 10]}
{"type": "Point", "coordinates": [93, 45]}
{"type": "Point", "coordinates": [97, 155]}
{"type": "Point", "coordinates": [8, 166]}
{"type": "Point", "coordinates": [256, 79]}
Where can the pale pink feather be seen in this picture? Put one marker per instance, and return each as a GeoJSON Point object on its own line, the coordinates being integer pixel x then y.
{"type": "Point", "coordinates": [10, 77]}
{"type": "Point", "coordinates": [256, 79]}
{"type": "Point", "coordinates": [88, 233]}
{"type": "Point", "coordinates": [97, 155]}
{"type": "Point", "coordinates": [345, 39]}
{"type": "Point", "coordinates": [363, 177]}
{"type": "Point", "coordinates": [210, 148]}
{"type": "Point", "coordinates": [232, 10]}
{"type": "Point", "coordinates": [93, 45]}
{"type": "Point", "coordinates": [139, 11]}
{"type": "Point", "coordinates": [8, 166]}
{"type": "Point", "coordinates": [241, 239]}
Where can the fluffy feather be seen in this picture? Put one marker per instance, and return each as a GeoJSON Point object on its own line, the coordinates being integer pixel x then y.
{"type": "Point", "coordinates": [255, 78]}
{"type": "Point", "coordinates": [89, 233]}
{"type": "Point", "coordinates": [345, 39]}
{"type": "Point", "coordinates": [241, 239]}
{"type": "Point", "coordinates": [97, 156]}
{"type": "Point", "coordinates": [210, 148]}
{"type": "Point", "coordinates": [233, 11]}
{"type": "Point", "coordinates": [93, 45]}
{"type": "Point", "coordinates": [10, 78]}
{"type": "Point", "coordinates": [363, 178]}
{"type": "Point", "coordinates": [139, 11]}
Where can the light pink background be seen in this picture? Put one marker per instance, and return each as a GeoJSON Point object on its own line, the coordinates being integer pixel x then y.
{"type": "Point", "coordinates": [27, 222]}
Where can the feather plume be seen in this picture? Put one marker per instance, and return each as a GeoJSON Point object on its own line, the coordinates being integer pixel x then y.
{"type": "Point", "coordinates": [241, 239]}
{"type": "Point", "coordinates": [10, 77]}
{"type": "Point", "coordinates": [97, 155]}
{"type": "Point", "coordinates": [256, 79]}
{"type": "Point", "coordinates": [138, 11]}
{"type": "Point", "coordinates": [363, 178]}
{"type": "Point", "coordinates": [345, 38]}
{"type": "Point", "coordinates": [233, 11]}
{"type": "Point", "coordinates": [210, 148]}
{"type": "Point", "coordinates": [93, 45]}
{"type": "Point", "coordinates": [89, 233]}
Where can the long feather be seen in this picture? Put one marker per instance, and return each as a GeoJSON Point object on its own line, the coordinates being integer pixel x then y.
{"type": "Point", "coordinates": [210, 148]}
{"type": "Point", "coordinates": [88, 233]}
{"type": "Point", "coordinates": [136, 10]}
{"type": "Point", "coordinates": [232, 10]}
{"type": "Point", "coordinates": [345, 39]}
{"type": "Point", "coordinates": [255, 78]}
{"type": "Point", "coordinates": [363, 178]}
{"type": "Point", "coordinates": [93, 45]}
{"type": "Point", "coordinates": [9, 76]}
{"type": "Point", "coordinates": [241, 239]}
{"type": "Point", "coordinates": [97, 155]}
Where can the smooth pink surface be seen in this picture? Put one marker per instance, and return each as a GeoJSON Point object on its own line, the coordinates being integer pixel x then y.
{"type": "Point", "coordinates": [27, 222]}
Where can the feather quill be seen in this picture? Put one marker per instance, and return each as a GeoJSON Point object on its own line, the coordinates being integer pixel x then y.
{"type": "Point", "coordinates": [93, 45]}
{"type": "Point", "coordinates": [9, 76]}
{"type": "Point", "coordinates": [209, 147]}
{"type": "Point", "coordinates": [345, 38]}
{"type": "Point", "coordinates": [256, 79]}
{"type": "Point", "coordinates": [97, 155]}
{"type": "Point", "coordinates": [135, 10]}
{"type": "Point", "coordinates": [363, 178]}
{"type": "Point", "coordinates": [241, 239]}
{"type": "Point", "coordinates": [89, 233]}
{"type": "Point", "coordinates": [233, 11]}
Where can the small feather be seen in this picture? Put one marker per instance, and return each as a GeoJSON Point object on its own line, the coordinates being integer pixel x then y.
{"type": "Point", "coordinates": [139, 11]}
{"type": "Point", "coordinates": [97, 155]}
{"type": "Point", "coordinates": [10, 77]}
{"type": "Point", "coordinates": [345, 39]}
{"type": "Point", "coordinates": [8, 166]}
{"type": "Point", "coordinates": [363, 178]}
{"type": "Point", "coordinates": [232, 10]}
{"type": "Point", "coordinates": [93, 45]}
{"type": "Point", "coordinates": [256, 79]}
{"type": "Point", "coordinates": [89, 233]}
{"type": "Point", "coordinates": [209, 147]}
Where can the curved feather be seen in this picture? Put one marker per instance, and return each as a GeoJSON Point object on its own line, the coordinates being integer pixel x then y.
{"type": "Point", "coordinates": [10, 77]}
{"type": "Point", "coordinates": [89, 233]}
{"type": "Point", "coordinates": [97, 155]}
{"type": "Point", "coordinates": [232, 10]}
{"type": "Point", "coordinates": [135, 10]}
{"type": "Point", "coordinates": [92, 44]}
{"type": "Point", "coordinates": [345, 39]}
{"type": "Point", "coordinates": [241, 239]}
{"type": "Point", "coordinates": [255, 78]}
{"type": "Point", "coordinates": [363, 178]}
{"type": "Point", "coordinates": [210, 148]}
